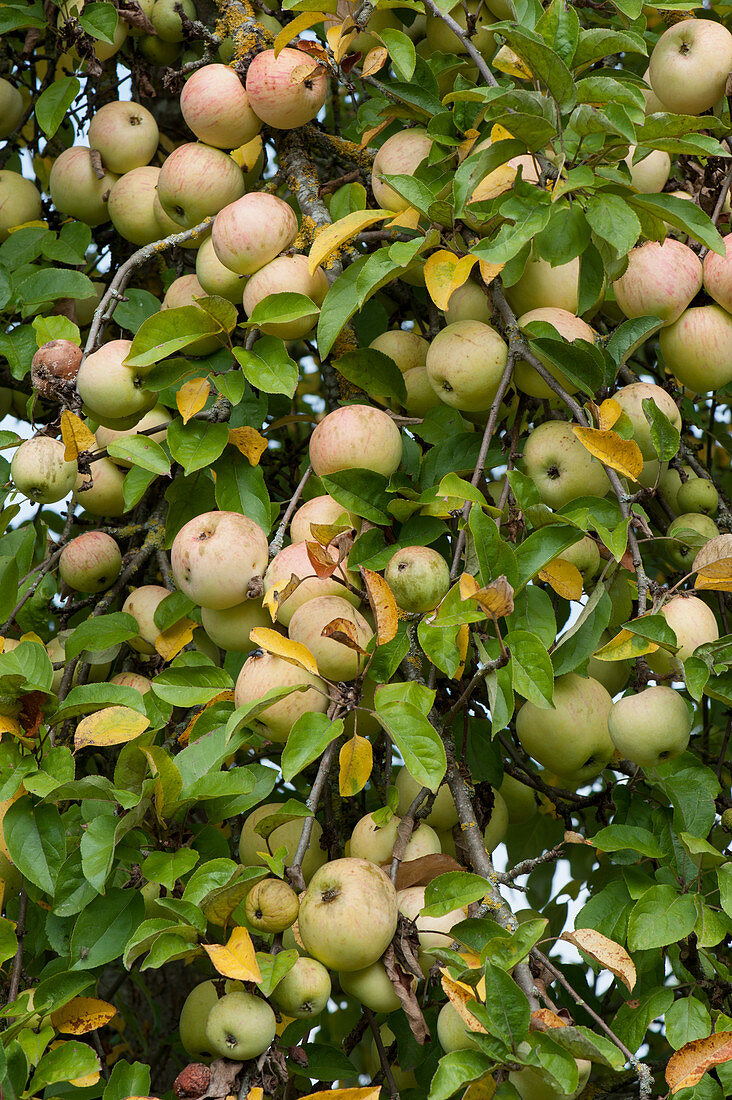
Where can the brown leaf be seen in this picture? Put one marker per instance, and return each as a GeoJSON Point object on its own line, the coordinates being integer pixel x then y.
{"type": "Point", "coordinates": [322, 562]}
{"type": "Point", "coordinates": [689, 1064]}
{"type": "Point", "coordinates": [420, 872]}
{"type": "Point", "coordinates": [496, 598]}
{"type": "Point", "coordinates": [343, 631]}
{"type": "Point", "coordinates": [325, 533]}
{"type": "Point", "coordinates": [544, 1019]}
{"type": "Point", "coordinates": [383, 605]}
{"type": "Point", "coordinates": [374, 60]}
{"type": "Point", "coordinates": [606, 952]}
{"type": "Point", "coordinates": [223, 1079]}
{"type": "Point", "coordinates": [404, 988]}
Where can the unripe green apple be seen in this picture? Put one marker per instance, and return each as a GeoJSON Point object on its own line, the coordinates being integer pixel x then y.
{"type": "Point", "coordinates": [693, 623]}
{"type": "Point", "coordinates": [532, 1085]}
{"type": "Point", "coordinates": [20, 202]}
{"type": "Point", "coordinates": [407, 349]}
{"type": "Point", "coordinates": [560, 467]}
{"type": "Point", "coordinates": [371, 986]}
{"type": "Point", "coordinates": [613, 675]}
{"type": "Point", "coordinates": [495, 830]}
{"type": "Point", "coordinates": [683, 551]}
{"type": "Point", "coordinates": [216, 555]}
{"type": "Point", "coordinates": [354, 436]}
{"type": "Point", "coordinates": [12, 108]}
{"type": "Point", "coordinates": [651, 727]}
{"type": "Point", "coordinates": [443, 814]}
{"type": "Point", "coordinates": [542, 286]}
{"type": "Point", "coordinates": [40, 471]}
{"type": "Point", "coordinates": [193, 1017]}
{"type": "Point", "coordinates": [304, 991]}
{"type": "Point", "coordinates": [452, 1031]}
{"type": "Point", "coordinates": [91, 562]}
{"type": "Point", "coordinates": [262, 672]}
{"type": "Point", "coordinates": [419, 577]}
{"type": "Point", "coordinates": [571, 738]}
{"type": "Point", "coordinates": [335, 660]}
{"type": "Point", "coordinates": [465, 364]}
{"type": "Point", "coordinates": [104, 496]}
{"type": "Point", "coordinates": [376, 842]}
{"type": "Point", "coordinates": [166, 20]}
{"type": "Point", "coordinates": [420, 395]}
{"type": "Point", "coordinates": [240, 1026]}
{"type": "Point", "coordinates": [271, 906]}
{"type": "Point", "coordinates": [230, 627]}
{"type": "Point", "coordinates": [287, 836]}
{"type": "Point", "coordinates": [109, 388]}
{"type": "Point", "coordinates": [294, 560]}
{"type": "Point", "coordinates": [469, 303]}
{"type": "Point", "coordinates": [631, 398]}
{"type": "Point", "coordinates": [698, 494]}
{"type": "Point", "coordinates": [520, 800]}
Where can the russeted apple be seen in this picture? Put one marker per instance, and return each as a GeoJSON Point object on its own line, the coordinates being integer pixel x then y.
{"type": "Point", "coordinates": [230, 627]}
{"type": "Point", "coordinates": [286, 90]}
{"type": "Point", "coordinates": [321, 511]}
{"type": "Point", "coordinates": [91, 562]}
{"type": "Point", "coordinates": [408, 349]}
{"type": "Point", "coordinates": [530, 1084]}
{"type": "Point", "coordinates": [75, 188]}
{"type": "Point", "coordinates": [271, 906]}
{"type": "Point", "coordinates": [287, 836]}
{"type": "Point", "coordinates": [560, 467]}
{"type": "Point", "coordinates": [41, 472]}
{"type": "Point", "coordinates": [216, 555]}
{"type": "Point", "coordinates": [262, 672]}
{"type": "Point", "coordinates": [443, 814]}
{"type": "Point", "coordinates": [693, 623]}
{"type": "Point", "coordinates": [400, 155]}
{"type": "Point", "coordinates": [157, 417]}
{"type": "Point", "coordinates": [542, 286]}
{"type": "Point", "coordinates": [109, 389]}
{"type": "Point", "coordinates": [376, 842]}
{"type": "Point", "coordinates": [252, 230]}
{"type": "Point", "coordinates": [690, 64]}
{"type": "Point", "coordinates": [304, 991]}
{"type": "Point", "coordinates": [465, 364]}
{"type": "Point", "coordinates": [659, 281]}
{"type": "Point", "coordinates": [682, 550]}
{"type": "Point", "coordinates": [132, 205]}
{"type": "Point", "coordinates": [196, 181]}
{"type": "Point", "coordinates": [570, 328]}
{"type": "Point", "coordinates": [216, 108]}
{"type": "Point", "coordinates": [20, 202]}
{"type": "Point", "coordinates": [12, 107]}
{"type": "Point", "coordinates": [697, 348]}
{"type": "Point", "coordinates": [286, 275]}
{"type": "Point", "coordinates": [183, 291]}
{"type": "Point", "coordinates": [452, 1031]}
{"type": "Point", "coordinates": [570, 738]}
{"type": "Point", "coordinates": [372, 986]}
{"type": "Point", "coordinates": [104, 495]}
{"type": "Point", "coordinates": [650, 727]}
{"type": "Point", "coordinates": [294, 560]}
{"type": "Point", "coordinates": [650, 173]}
{"type": "Point", "coordinates": [348, 914]}
{"type": "Point", "coordinates": [419, 577]}
{"type": "Point", "coordinates": [631, 398]}
{"type": "Point", "coordinates": [142, 604]}
{"type": "Point", "coordinates": [718, 276]}
{"type": "Point", "coordinates": [125, 134]}
{"type": "Point", "coordinates": [335, 659]}
{"type": "Point", "coordinates": [214, 277]}
{"type": "Point", "coordinates": [355, 437]}
{"type": "Point", "coordinates": [240, 1025]}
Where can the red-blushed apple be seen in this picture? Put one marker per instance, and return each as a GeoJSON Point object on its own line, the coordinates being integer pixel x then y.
{"type": "Point", "coordinates": [40, 472]}
{"type": "Point", "coordinates": [650, 173]}
{"type": "Point", "coordinates": [230, 627]}
{"type": "Point", "coordinates": [407, 349]}
{"type": "Point", "coordinates": [251, 231]}
{"type": "Point", "coordinates": [216, 555]}
{"type": "Point", "coordinates": [570, 328]}
{"type": "Point", "coordinates": [690, 530]}
{"type": "Point", "coordinates": [398, 156]}
{"type": "Point", "coordinates": [56, 362]}
{"type": "Point", "coordinates": [453, 1033]}
{"type": "Point", "coordinates": [321, 511]}
{"type": "Point", "coordinates": [271, 906]}
{"type": "Point", "coordinates": [304, 991]}
{"type": "Point", "coordinates": [560, 467]}
{"type": "Point", "coordinates": [348, 914]}
{"type": "Point", "coordinates": [142, 605]}
{"type": "Point", "coordinates": [12, 107]}
{"type": "Point", "coordinates": [572, 737]}
{"type": "Point", "coordinates": [690, 64]}
{"type": "Point", "coordinates": [183, 291]}
{"type": "Point", "coordinates": [216, 108]}
{"type": "Point", "coordinates": [132, 205]}
{"type": "Point", "coordinates": [287, 836]}
{"type": "Point", "coordinates": [109, 389]}
{"type": "Point", "coordinates": [286, 90]}
{"type": "Point", "coordinates": [75, 188]}
{"type": "Point", "coordinates": [158, 416]}
{"type": "Point", "coordinates": [286, 275]}
{"type": "Point", "coordinates": [196, 181]}
{"type": "Point", "coordinates": [651, 726]}
{"type": "Point", "coordinates": [355, 437]}
{"type": "Point", "coordinates": [294, 560]}
{"type": "Point", "coordinates": [443, 814]}
{"type": "Point", "coordinates": [718, 276]}
{"type": "Point", "coordinates": [469, 303]}
{"type": "Point", "coordinates": [631, 398]}
{"type": "Point", "coordinates": [465, 363]}
{"type": "Point", "coordinates": [240, 1025]}
{"type": "Point", "coordinates": [697, 348]}
{"type": "Point", "coordinates": [104, 495]}
{"type": "Point", "coordinates": [421, 397]}
{"type": "Point", "coordinates": [91, 562]}
{"type": "Point", "coordinates": [132, 680]}
{"type": "Point", "coordinates": [659, 281]}
{"type": "Point", "coordinates": [262, 672]}
{"type": "Point", "coordinates": [542, 286]}
{"type": "Point", "coordinates": [214, 277]}
{"type": "Point", "coordinates": [693, 623]}
{"type": "Point", "coordinates": [167, 21]}
{"type": "Point", "coordinates": [335, 659]}
{"type": "Point", "coordinates": [376, 842]}
{"type": "Point", "coordinates": [419, 577]}
{"type": "Point", "coordinates": [372, 986]}
{"type": "Point", "coordinates": [125, 134]}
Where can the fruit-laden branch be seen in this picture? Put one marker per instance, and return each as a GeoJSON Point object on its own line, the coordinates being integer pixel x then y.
{"type": "Point", "coordinates": [458, 31]}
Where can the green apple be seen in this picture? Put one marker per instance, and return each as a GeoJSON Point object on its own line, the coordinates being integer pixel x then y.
{"type": "Point", "coordinates": [571, 738]}
{"type": "Point", "coordinates": [371, 986]}
{"type": "Point", "coordinates": [251, 844]}
{"type": "Point", "coordinates": [443, 814]}
{"type": "Point", "coordinates": [533, 1085]}
{"type": "Point", "coordinates": [452, 1031]}
{"type": "Point", "coordinates": [698, 494]}
{"type": "Point", "coordinates": [560, 467]}
{"type": "Point", "coordinates": [689, 533]}
{"type": "Point", "coordinates": [465, 363]}
{"type": "Point", "coordinates": [693, 623]}
{"type": "Point", "coordinates": [495, 830]}
{"type": "Point", "coordinates": [651, 727]}
{"type": "Point", "coordinates": [376, 842]}
{"type": "Point", "coordinates": [419, 577]}
{"type": "Point", "coordinates": [304, 991]}
{"type": "Point", "coordinates": [271, 906]}
{"type": "Point", "coordinates": [193, 1018]}
{"type": "Point", "coordinates": [407, 349]}
{"type": "Point", "coordinates": [520, 800]}
{"type": "Point", "coordinates": [240, 1026]}
{"type": "Point", "coordinates": [631, 398]}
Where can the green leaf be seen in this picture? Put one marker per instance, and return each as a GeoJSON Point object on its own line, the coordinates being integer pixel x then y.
{"type": "Point", "coordinates": [36, 840]}
{"type": "Point", "coordinates": [506, 1013]}
{"type": "Point", "coordinates": [454, 890]}
{"type": "Point", "coordinates": [583, 1043]}
{"type": "Point", "coordinates": [64, 1063]}
{"type": "Point", "coordinates": [545, 64]}
{"type": "Point", "coordinates": [168, 331]}
{"type": "Point", "coordinates": [191, 686]}
{"type": "Point", "coordinates": [655, 629]}
{"type": "Point", "coordinates": [683, 215]}
{"type": "Point", "coordinates": [456, 1070]}
{"type": "Point", "coordinates": [97, 850]}
{"type": "Point", "coordinates": [417, 740]}
{"type": "Point", "coordinates": [99, 633]}
{"type": "Point", "coordinates": [401, 50]}
{"type": "Point", "coordinates": [665, 436]}
{"type": "Point", "coordinates": [282, 308]}
{"type": "Point", "coordinates": [613, 221]}
{"type": "Point", "coordinates": [270, 368]}
{"type": "Point", "coordinates": [661, 917]}
{"type": "Point", "coordinates": [52, 283]}
{"type": "Point", "coordinates": [724, 879]}
{"type": "Point", "coordinates": [308, 740]}
{"type": "Point", "coordinates": [167, 867]}
{"type": "Point", "coordinates": [618, 838]}
{"type": "Point", "coordinates": [240, 487]}
{"type": "Point", "coordinates": [541, 547]}
{"type": "Point", "coordinates": [531, 667]}
{"type": "Point", "coordinates": [141, 451]}
{"type": "Point", "coordinates": [56, 328]}
{"type": "Point", "coordinates": [99, 20]}
{"type": "Point", "coordinates": [273, 968]}
{"type": "Point", "coordinates": [375, 373]}
{"type": "Point", "coordinates": [686, 1020]}
{"type": "Point", "coordinates": [127, 1080]}
{"type": "Point", "coordinates": [53, 103]}
{"type": "Point", "coordinates": [361, 492]}
{"type": "Point", "coordinates": [197, 444]}
{"type": "Point", "coordinates": [102, 930]}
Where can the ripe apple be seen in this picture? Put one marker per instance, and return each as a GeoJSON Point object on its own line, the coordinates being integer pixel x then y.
{"type": "Point", "coordinates": [420, 395]}
{"type": "Point", "coordinates": [105, 496]}
{"type": "Point", "coordinates": [443, 814]}
{"type": "Point", "coordinates": [519, 799]}
{"type": "Point", "coordinates": [407, 349]}
{"type": "Point", "coordinates": [215, 556]}
{"type": "Point", "coordinates": [216, 108]}
{"type": "Point", "coordinates": [353, 437]}
{"type": "Point", "coordinates": [320, 510]}
{"type": "Point", "coordinates": [286, 274]}
{"type": "Point", "coordinates": [697, 348]}
{"type": "Point", "coordinates": [304, 991]}
{"type": "Point", "coordinates": [240, 1025]}
{"type": "Point", "coordinates": [159, 415]}
{"type": "Point", "coordinates": [372, 986]}
{"type": "Point", "coordinates": [434, 932]}
{"type": "Point", "coordinates": [91, 562]}
{"type": "Point", "coordinates": [698, 494]}
{"type": "Point", "coordinates": [230, 627]}
{"type": "Point", "coordinates": [495, 830]}
{"type": "Point", "coordinates": [465, 364]}
{"type": "Point", "coordinates": [560, 467]}
{"type": "Point", "coordinates": [284, 836]}
{"type": "Point", "coordinates": [532, 1085]}
{"type": "Point", "coordinates": [649, 174]}
{"type": "Point", "coordinates": [690, 64]}
{"type": "Point", "coordinates": [271, 906]}
{"type": "Point", "coordinates": [570, 328]}
{"type": "Point", "coordinates": [419, 577]}
{"type": "Point", "coordinates": [132, 206]}
{"type": "Point", "coordinates": [398, 156]}
{"type": "Point", "coordinates": [650, 727]}
{"type": "Point", "coordinates": [693, 623]}
{"type": "Point", "coordinates": [348, 914]}
{"type": "Point", "coordinates": [142, 604]}
{"type": "Point", "coordinates": [659, 281]}
{"type": "Point", "coordinates": [183, 291]}
{"type": "Point", "coordinates": [469, 303]}
{"type": "Point", "coordinates": [376, 842]}
{"type": "Point", "coordinates": [571, 738]}
{"type": "Point", "coordinates": [20, 202]}
{"type": "Point", "coordinates": [40, 471]}
{"type": "Point", "coordinates": [681, 553]}
{"type": "Point", "coordinates": [125, 134]}
{"type": "Point", "coordinates": [109, 389]}
{"type": "Point", "coordinates": [282, 92]}
{"type": "Point", "coordinates": [452, 1031]}
{"type": "Point", "coordinates": [294, 560]}
{"type": "Point", "coordinates": [631, 398]}
{"type": "Point", "coordinates": [214, 278]}
{"type": "Point", "coordinates": [75, 189]}
{"type": "Point", "coordinates": [542, 286]}
{"type": "Point", "coordinates": [12, 108]}
{"type": "Point", "coordinates": [132, 680]}
{"type": "Point", "coordinates": [166, 20]}
{"type": "Point", "coordinates": [336, 661]}
{"type": "Point", "coordinates": [251, 231]}
{"type": "Point", "coordinates": [718, 276]}
{"type": "Point", "coordinates": [54, 364]}
{"type": "Point", "coordinates": [262, 672]}
{"type": "Point", "coordinates": [197, 181]}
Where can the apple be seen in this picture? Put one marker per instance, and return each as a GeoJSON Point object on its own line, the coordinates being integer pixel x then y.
{"type": "Point", "coordinates": [286, 274]}
{"type": "Point", "coordinates": [690, 64]}
{"type": "Point", "coordinates": [142, 604]}
{"type": "Point", "coordinates": [230, 627]}
{"type": "Point", "coordinates": [631, 398]}
{"type": "Point", "coordinates": [542, 286]}
{"type": "Point", "coordinates": [419, 577]}
{"type": "Point", "coordinates": [659, 281]}
{"type": "Point", "coordinates": [495, 829]}
{"type": "Point", "coordinates": [403, 1079]}
{"type": "Point", "coordinates": [86, 307]}
{"type": "Point", "coordinates": [240, 1025]}
{"type": "Point", "coordinates": [109, 389]}
{"type": "Point", "coordinates": [335, 659]}
{"type": "Point", "coordinates": [321, 511]}
{"type": "Point", "coordinates": [12, 108]}
{"type": "Point", "coordinates": [214, 278]}
{"type": "Point", "coordinates": [570, 738]}
{"type": "Point", "coordinates": [613, 675]}
{"type": "Point", "coordinates": [443, 814]}
{"type": "Point", "coordinates": [91, 562]}
{"type": "Point", "coordinates": [271, 906]}
{"type": "Point", "coordinates": [75, 189]}
{"type": "Point", "coordinates": [216, 108]}
{"type": "Point", "coordinates": [520, 800]}
{"type": "Point", "coordinates": [718, 276]}
{"type": "Point", "coordinates": [469, 303]}
{"type": "Point", "coordinates": [653, 103]}
{"type": "Point", "coordinates": [105, 495]}
{"type": "Point", "coordinates": [434, 932]}
{"type": "Point", "coordinates": [348, 914]}
{"type": "Point", "coordinates": [681, 553]}
{"type": "Point", "coordinates": [54, 366]}
{"type": "Point", "coordinates": [531, 1084]}
{"type": "Point", "coordinates": [698, 494]}
{"type": "Point", "coordinates": [465, 364]}
{"type": "Point", "coordinates": [355, 437]}
{"type": "Point", "coordinates": [158, 416]}
{"type": "Point", "coordinates": [372, 986]}
{"type": "Point", "coordinates": [166, 20]}
{"type": "Point", "coordinates": [560, 467]}
{"type": "Point", "coordinates": [304, 991]}
{"type": "Point", "coordinates": [183, 291]}
{"type": "Point", "coordinates": [440, 39]}
{"type": "Point", "coordinates": [398, 156]}
{"type": "Point", "coordinates": [406, 348]}
{"type": "Point", "coordinates": [40, 472]}
{"type": "Point", "coordinates": [651, 172]}
{"type": "Point", "coordinates": [132, 206]}
{"type": "Point", "coordinates": [650, 727]}
{"type": "Point", "coordinates": [125, 134]}
{"type": "Point", "coordinates": [697, 348]}
{"type": "Point", "coordinates": [156, 50]}
{"type": "Point", "coordinates": [286, 90]}
{"type": "Point", "coordinates": [570, 328]}
{"type": "Point", "coordinates": [693, 623]}
{"type": "Point", "coordinates": [262, 672]}
{"type": "Point", "coordinates": [452, 1031]}
{"type": "Point", "coordinates": [294, 561]}
{"type": "Point", "coordinates": [193, 1017]}
{"type": "Point", "coordinates": [216, 555]}
{"type": "Point", "coordinates": [251, 231]}
{"type": "Point", "coordinates": [376, 842]}
{"type": "Point", "coordinates": [20, 202]}
{"type": "Point", "coordinates": [585, 555]}
{"type": "Point", "coordinates": [167, 227]}
{"type": "Point", "coordinates": [420, 395]}
{"type": "Point", "coordinates": [132, 680]}
{"type": "Point", "coordinates": [196, 181]}
{"type": "Point", "coordinates": [284, 836]}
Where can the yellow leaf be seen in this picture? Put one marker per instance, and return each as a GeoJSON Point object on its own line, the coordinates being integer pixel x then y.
{"type": "Point", "coordinates": [689, 1064]}
{"type": "Point", "coordinates": [564, 577]}
{"type": "Point", "coordinates": [276, 595]}
{"type": "Point", "coordinates": [608, 414]}
{"type": "Point", "coordinates": [301, 73]}
{"type": "Point", "coordinates": [76, 436]}
{"type": "Point", "coordinates": [466, 147]}
{"type": "Point", "coordinates": [295, 652]}
{"type": "Point", "coordinates": [488, 271]}
{"type": "Point", "coordinates": [292, 30]}
{"type": "Point", "coordinates": [170, 642]}
{"type": "Point", "coordinates": [236, 959]}
{"type": "Point", "coordinates": [251, 444]}
{"type": "Point", "coordinates": [334, 236]}
{"type": "Point", "coordinates": [500, 133]}
{"type": "Point", "coordinates": [405, 219]}
{"type": "Point", "coordinates": [255, 1094]}
{"type": "Point", "coordinates": [713, 564]}
{"type": "Point", "coordinates": [462, 641]}
{"type": "Point", "coordinates": [88, 1080]}
{"type": "Point", "coordinates": [356, 759]}
{"type": "Point", "coordinates": [383, 605]}
{"type": "Point", "coordinates": [623, 455]}
{"type": "Point", "coordinates": [82, 1014]}
{"type": "Point", "coordinates": [508, 62]}
{"type": "Point", "coordinates": [544, 1019]}
{"type": "Point", "coordinates": [111, 726]}
{"type": "Point", "coordinates": [444, 272]}
{"type": "Point", "coordinates": [191, 397]}
{"type": "Point", "coordinates": [374, 130]}
{"type": "Point", "coordinates": [10, 725]}
{"type": "Point", "coordinates": [460, 996]}
{"type": "Point", "coordinates": [468, 586]}
{"type": "Point", "coordinates": [374, 60]}
{"type": "Point", "coordinates": [624, 646]}
{"type": "Point", "coordinates": [371, 1092]}
{"type": "Point", "coordinates": [606, 952]}
{"type": "Point", "coordinates": [495, 183]}
{"type": "Point", "coordinates": [496, 598]}
{"type": "Point", "coordinates": [485, 1089]}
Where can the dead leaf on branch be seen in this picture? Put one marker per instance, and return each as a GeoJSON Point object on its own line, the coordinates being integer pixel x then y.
{"type": "Point", "coordinates": [421, 871]}
{"type": "Point", "coordinates": [496, 598]}
{"type": "Point", "coordinates": [343, 631]}
{"type": "Point", "coordinates": [404, 989]}
{"type": "Point", "coordinates": [544, 1020]}
{"type": "Point", "coordinates": [689, 1064]}
{"type": "Point", "coordinates": [383, 605]}
{"type": "Point", "coordinates": [461, 996]}
{"type": "Point", "coordinates": [323, 563]}
{"type": "Point", "coordinates": [610, 955]}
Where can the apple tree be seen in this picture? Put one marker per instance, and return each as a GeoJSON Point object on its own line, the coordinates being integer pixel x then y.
{"type": "Point", "coordinates": [366, 549]}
